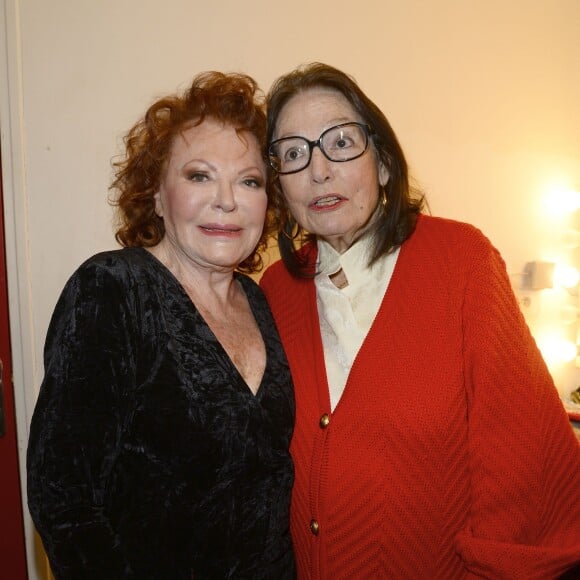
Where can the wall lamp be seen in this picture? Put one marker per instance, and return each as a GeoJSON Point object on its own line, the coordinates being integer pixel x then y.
{"type": "Point", "coordinates": [542, 275]}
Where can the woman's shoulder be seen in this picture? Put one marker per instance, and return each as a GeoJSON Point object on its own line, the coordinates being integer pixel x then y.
{"type": "Point", "coordinates": [453, 247]}
{"type": "Point", "coordinates": [450, 246]}
{"type": "Point", "coordinates": [273, 272]}
{"type": "Point", "coordinates": [124, 261]}
{"type": "Point", "coordinates": [112, 280]}
{"type": "Point", "coordinates": [444, 234]}
{"type": "Point", "coordinates": [120, 258]}
{"type": "Point", "coordinates": [120, 267]}
{"type": "Point", "coordinates": [445, 227]}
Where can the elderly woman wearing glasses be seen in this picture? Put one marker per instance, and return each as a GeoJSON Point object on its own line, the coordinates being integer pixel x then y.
{"type": "Point", "coordinates": [430, 441]}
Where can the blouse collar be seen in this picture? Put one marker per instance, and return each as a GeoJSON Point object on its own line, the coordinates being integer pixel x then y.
{"type": "Point", "coordinates": [353, 261]}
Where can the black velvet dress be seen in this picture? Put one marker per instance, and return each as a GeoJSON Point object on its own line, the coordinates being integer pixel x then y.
{"type": "Point", "coordinates": [149, 456]}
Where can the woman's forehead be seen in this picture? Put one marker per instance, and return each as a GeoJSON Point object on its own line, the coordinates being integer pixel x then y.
{"type": "Point", "coordinates": [316, 107]}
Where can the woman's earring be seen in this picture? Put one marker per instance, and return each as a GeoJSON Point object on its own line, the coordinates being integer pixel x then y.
{"type": "Point", "coordinates": [384, 199]}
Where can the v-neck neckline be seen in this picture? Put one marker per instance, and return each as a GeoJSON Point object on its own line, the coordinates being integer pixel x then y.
{"type": "Point", "coordinates": [256, 314]}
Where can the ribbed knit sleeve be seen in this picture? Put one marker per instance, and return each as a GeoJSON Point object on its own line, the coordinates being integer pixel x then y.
{"type": "Point", "coordinates": [525, 461]}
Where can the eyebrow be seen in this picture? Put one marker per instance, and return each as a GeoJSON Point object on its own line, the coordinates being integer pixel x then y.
{"type": "Point", "coordinates": [252, 168]}
{"type": "Point", "coordinates": [212, 167]}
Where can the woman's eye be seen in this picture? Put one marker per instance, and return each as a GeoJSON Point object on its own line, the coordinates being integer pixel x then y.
{"type": "Point", "coordinates": [342, 143]}
{"type": "Point", "coordinates": [197, 176]}
{"type": "Point", "coordinates": [292, 154]}
{"type": "Point", "coordinates": [253, 182]}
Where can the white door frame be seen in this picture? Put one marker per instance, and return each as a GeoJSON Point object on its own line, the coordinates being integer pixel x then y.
{"type": "Point", "coordinates": [16, 244]}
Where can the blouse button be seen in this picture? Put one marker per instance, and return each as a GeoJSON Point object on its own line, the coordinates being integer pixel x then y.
{"type": "Point", "coordinates": [314, 527]}
{"type": "Point", "coordinates": [324, 421]}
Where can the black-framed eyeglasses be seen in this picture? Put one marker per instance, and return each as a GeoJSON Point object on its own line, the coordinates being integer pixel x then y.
{"type": "Point", "coordinates": [340, 143]}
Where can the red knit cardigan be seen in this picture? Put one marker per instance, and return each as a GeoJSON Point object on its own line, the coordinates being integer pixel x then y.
{"type": "Point", "coordinates": [449, 454]}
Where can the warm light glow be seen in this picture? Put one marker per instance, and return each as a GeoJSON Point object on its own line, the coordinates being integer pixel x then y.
{"type": "Point", "coordinates": [562, 200]}
{"type": "Point", "coordinates": [566, 276]}
{"type": "Point", "coordinates": [570, 199]}
{"type": "Point", "coordinates": [556, 350]}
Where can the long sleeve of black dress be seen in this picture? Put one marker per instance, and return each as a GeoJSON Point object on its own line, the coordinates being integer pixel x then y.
{"type": "Point", "coordinates": [78, 422]}
{"type": "Point", "coordinates": [149, 457]}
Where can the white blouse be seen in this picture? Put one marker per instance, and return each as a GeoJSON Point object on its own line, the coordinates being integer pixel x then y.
{"type": "Point", "coordinates": [346, 314]}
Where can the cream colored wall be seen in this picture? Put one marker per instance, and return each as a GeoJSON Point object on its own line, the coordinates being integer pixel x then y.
{"type": "Point", "coordinates": [483, 95]}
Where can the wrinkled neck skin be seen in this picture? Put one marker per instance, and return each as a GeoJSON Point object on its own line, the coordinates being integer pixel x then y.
{"type": "Point", "coordinates": [341, 243]}
{"type": "Point", "coordinates": [204, 283]}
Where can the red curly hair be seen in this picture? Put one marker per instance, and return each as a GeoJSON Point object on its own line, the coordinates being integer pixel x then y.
{"type": "Point", "coordinates": [233, 99]}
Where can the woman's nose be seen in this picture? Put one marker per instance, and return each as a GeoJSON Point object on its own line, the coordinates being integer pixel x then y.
{"type": "Point", "coordinates": [225, 198]}
{"type": "Point", "coordinates": [320, 166]}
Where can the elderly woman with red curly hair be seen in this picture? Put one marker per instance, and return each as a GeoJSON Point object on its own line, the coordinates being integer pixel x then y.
{"type": "Point", "coordinates": [159, 443]}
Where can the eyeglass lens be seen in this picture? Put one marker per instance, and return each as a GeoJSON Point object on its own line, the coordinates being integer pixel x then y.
{"type": "Point", "coordinates": [341, 143]}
